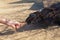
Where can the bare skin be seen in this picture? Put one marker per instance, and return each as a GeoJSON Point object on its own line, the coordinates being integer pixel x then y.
{"type": "Point", "coordinates": [14, 24]}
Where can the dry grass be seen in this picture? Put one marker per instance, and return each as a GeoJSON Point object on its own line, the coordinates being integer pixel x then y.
{"type": "Point", "coordinates": [20, 13]}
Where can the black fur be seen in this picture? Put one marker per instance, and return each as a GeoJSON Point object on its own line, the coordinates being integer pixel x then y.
{"type": "Point", "coordinates": [47, 15]}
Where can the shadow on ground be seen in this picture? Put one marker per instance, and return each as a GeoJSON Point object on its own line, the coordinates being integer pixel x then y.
{"type": "Point", "coordinates": [27, 28]}
{"type": "Point", "coordinates": [23, 1]}
{"type": "Point", "coordinates": [35, 6]}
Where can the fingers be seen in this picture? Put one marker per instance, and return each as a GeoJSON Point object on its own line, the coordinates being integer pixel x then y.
{"type": "Point", "coordinates": [14, 28]}
{"type": "Point", "coordinates": [22, 24]}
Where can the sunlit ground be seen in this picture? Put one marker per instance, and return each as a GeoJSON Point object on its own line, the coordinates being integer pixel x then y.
{"type": "Point", "coordinates": [20, 12]}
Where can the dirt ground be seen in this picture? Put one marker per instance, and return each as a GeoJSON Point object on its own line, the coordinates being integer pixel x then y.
{"type": "Point", "coordinates": [20, 12]}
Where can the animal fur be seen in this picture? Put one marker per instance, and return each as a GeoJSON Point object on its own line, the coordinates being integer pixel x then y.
{"type": "Point", "coordinates": [49, 15]}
